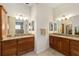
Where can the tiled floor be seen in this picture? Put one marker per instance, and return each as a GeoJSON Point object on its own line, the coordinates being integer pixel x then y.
{"type": "Point", "coordinates": [49, 52]}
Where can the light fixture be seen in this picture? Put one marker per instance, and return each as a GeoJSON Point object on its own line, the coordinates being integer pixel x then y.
{"type": "Point", "coordinates": [65, 17]}
{"type": "Point", "coordinates": [59, 19]}
{"type": "Point", "coordinates": [17, 17]}
{"type": "Point", "coordinates": [25, 18]}
{"type": "Point", "coordinates": [68, 16]}
{"type": "Point", "coordinates": [21, 17]}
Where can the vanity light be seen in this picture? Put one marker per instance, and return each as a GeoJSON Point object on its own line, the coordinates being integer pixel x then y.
{"type": "Point", "coordinates": [59, 19]}
{"type": "Point", "coordinates": [25, 18]}
{"type": "Point", "coordinates": [68, 16]}
{"type": "Point", "coordinates": [20, 17]}
{"type": "Point", "coordinates": [64, 17]}
{"type": "Point", "coordinates": [17, 17]}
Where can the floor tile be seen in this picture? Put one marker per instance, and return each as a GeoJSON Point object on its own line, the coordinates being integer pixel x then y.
{"type": "Point", "coordinates": [48, 52]}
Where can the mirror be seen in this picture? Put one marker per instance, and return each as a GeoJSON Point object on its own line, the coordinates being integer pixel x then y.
{"type": "Point", "coordinates": [55, 26]}
{"type": "Point", "coordinates": [69, 29]}
{"type": "Point", "coordinates": [51, 26]}
{"type": "Point", "coordinates": [70, 26]}
{"type": "Point", "coordinates": [31, 25]}
{"type": "Point", "coordinates": [76, 30]}
{"type": "Point", "coordinates": [17, 26]}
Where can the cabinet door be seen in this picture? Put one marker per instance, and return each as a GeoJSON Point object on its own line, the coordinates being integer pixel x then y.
{"type": "Point", "coordinates": [64, 46]}
{"type": "Point", "coordinates": [30, 43]}
{"type": "Point", "coordinates": [9, 48]}
{"type": "Point", "coordinates": [25, 45]}
{"type": "Point", "coordinates": [74, 48]}
{"type": "Point", "coordinates": [51, 41]}
{"type": "Point", "coordinates": [56, 43]}
{"type": "Point", "coordinates": [0, 48]}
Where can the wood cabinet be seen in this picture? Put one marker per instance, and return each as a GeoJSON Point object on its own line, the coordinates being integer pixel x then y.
{"type": "Point", "coordinates": [18, 46]}
{"type": "Point", "coordinates": [25, 45]}
{"type": "Point", "coordinates": [9, 47]}
{"type": "Point", "coordinates": [51, 40]}
{"type": "Point", "coordinates": [3, 23]}
{"type": "Point", "coordinates": [56, 43]}
{"type": "Point", "coordinates": [64, 46]}
{"type": "Point", "coordinates": [0, 48]}
{"type": "Point", "coordinates": [60, 44]}
{"type": "Point", "coordinates": [74, 47]}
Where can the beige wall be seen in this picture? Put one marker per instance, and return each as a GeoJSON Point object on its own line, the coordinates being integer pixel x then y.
{"type": "Point", "coordinates": [42, 16]}
{"type": "Point", "coordinates": [65, 9]}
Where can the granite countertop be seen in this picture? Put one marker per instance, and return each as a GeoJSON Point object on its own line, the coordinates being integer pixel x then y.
{"type": "Point", "coordinates": [71, 37]}
{"type": "Point", "coordinates": [18, 37]}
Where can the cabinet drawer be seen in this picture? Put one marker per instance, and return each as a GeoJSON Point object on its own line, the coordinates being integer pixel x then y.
{"type": "Point", "coordinates": [51, 41]}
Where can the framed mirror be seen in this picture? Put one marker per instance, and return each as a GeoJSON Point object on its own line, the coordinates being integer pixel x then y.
{"type": "Point", "coordinates": [69, 29]}
{"type": "Point", "coordinates": [55, 26]}
{"type": "Point", "coordinates": [19, 27]}
{"type": "Point", "coordinates": [76, 30]}
{"type": "Point", "coordinates": [50, 26]}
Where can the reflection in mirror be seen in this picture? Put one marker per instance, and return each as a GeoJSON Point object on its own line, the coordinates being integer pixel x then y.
{"type": "Point", "coordinates": [55, 26]}
{"type": "Point", "coordinates": [51, 26]}
{"type": "Point", "coordinates": [31, 25]}
{"type": "Point", "coordinates": [19, 27]}
{"type": "Point", "coordinates": [76, 30]}
{"type": "Point", "coordinates": [69, 29]}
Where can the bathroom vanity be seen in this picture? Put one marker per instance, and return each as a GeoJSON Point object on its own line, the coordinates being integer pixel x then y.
{"type": "Point", "coordinates": [9, 47]}
{"type": "Point", "coordinates": [66, 44]}
{"type": "Point", "coordinates": [25, 45]}
{"type": "Point", "coordinates": [20, 45]}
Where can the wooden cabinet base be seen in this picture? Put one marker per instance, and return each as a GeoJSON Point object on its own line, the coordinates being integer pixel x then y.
{"type": "Point", "coordinates": [64, 46]}
{"type": "Point", "coordinates": [9, 48]}
{"type": "Point", "coordinates": [25, 45]}
{"type": "Point", "coordinates": [74, 48]}
{"type": "Point", "coordinates": [17, 46]}
{"type": "Point", "coordinates": [59, 44]}
{"type": "Point", "coordinates": [24, 52]}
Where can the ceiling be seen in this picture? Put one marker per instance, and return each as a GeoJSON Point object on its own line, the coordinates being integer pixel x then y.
{"type": "Point", "coordinates": [53, 5]}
